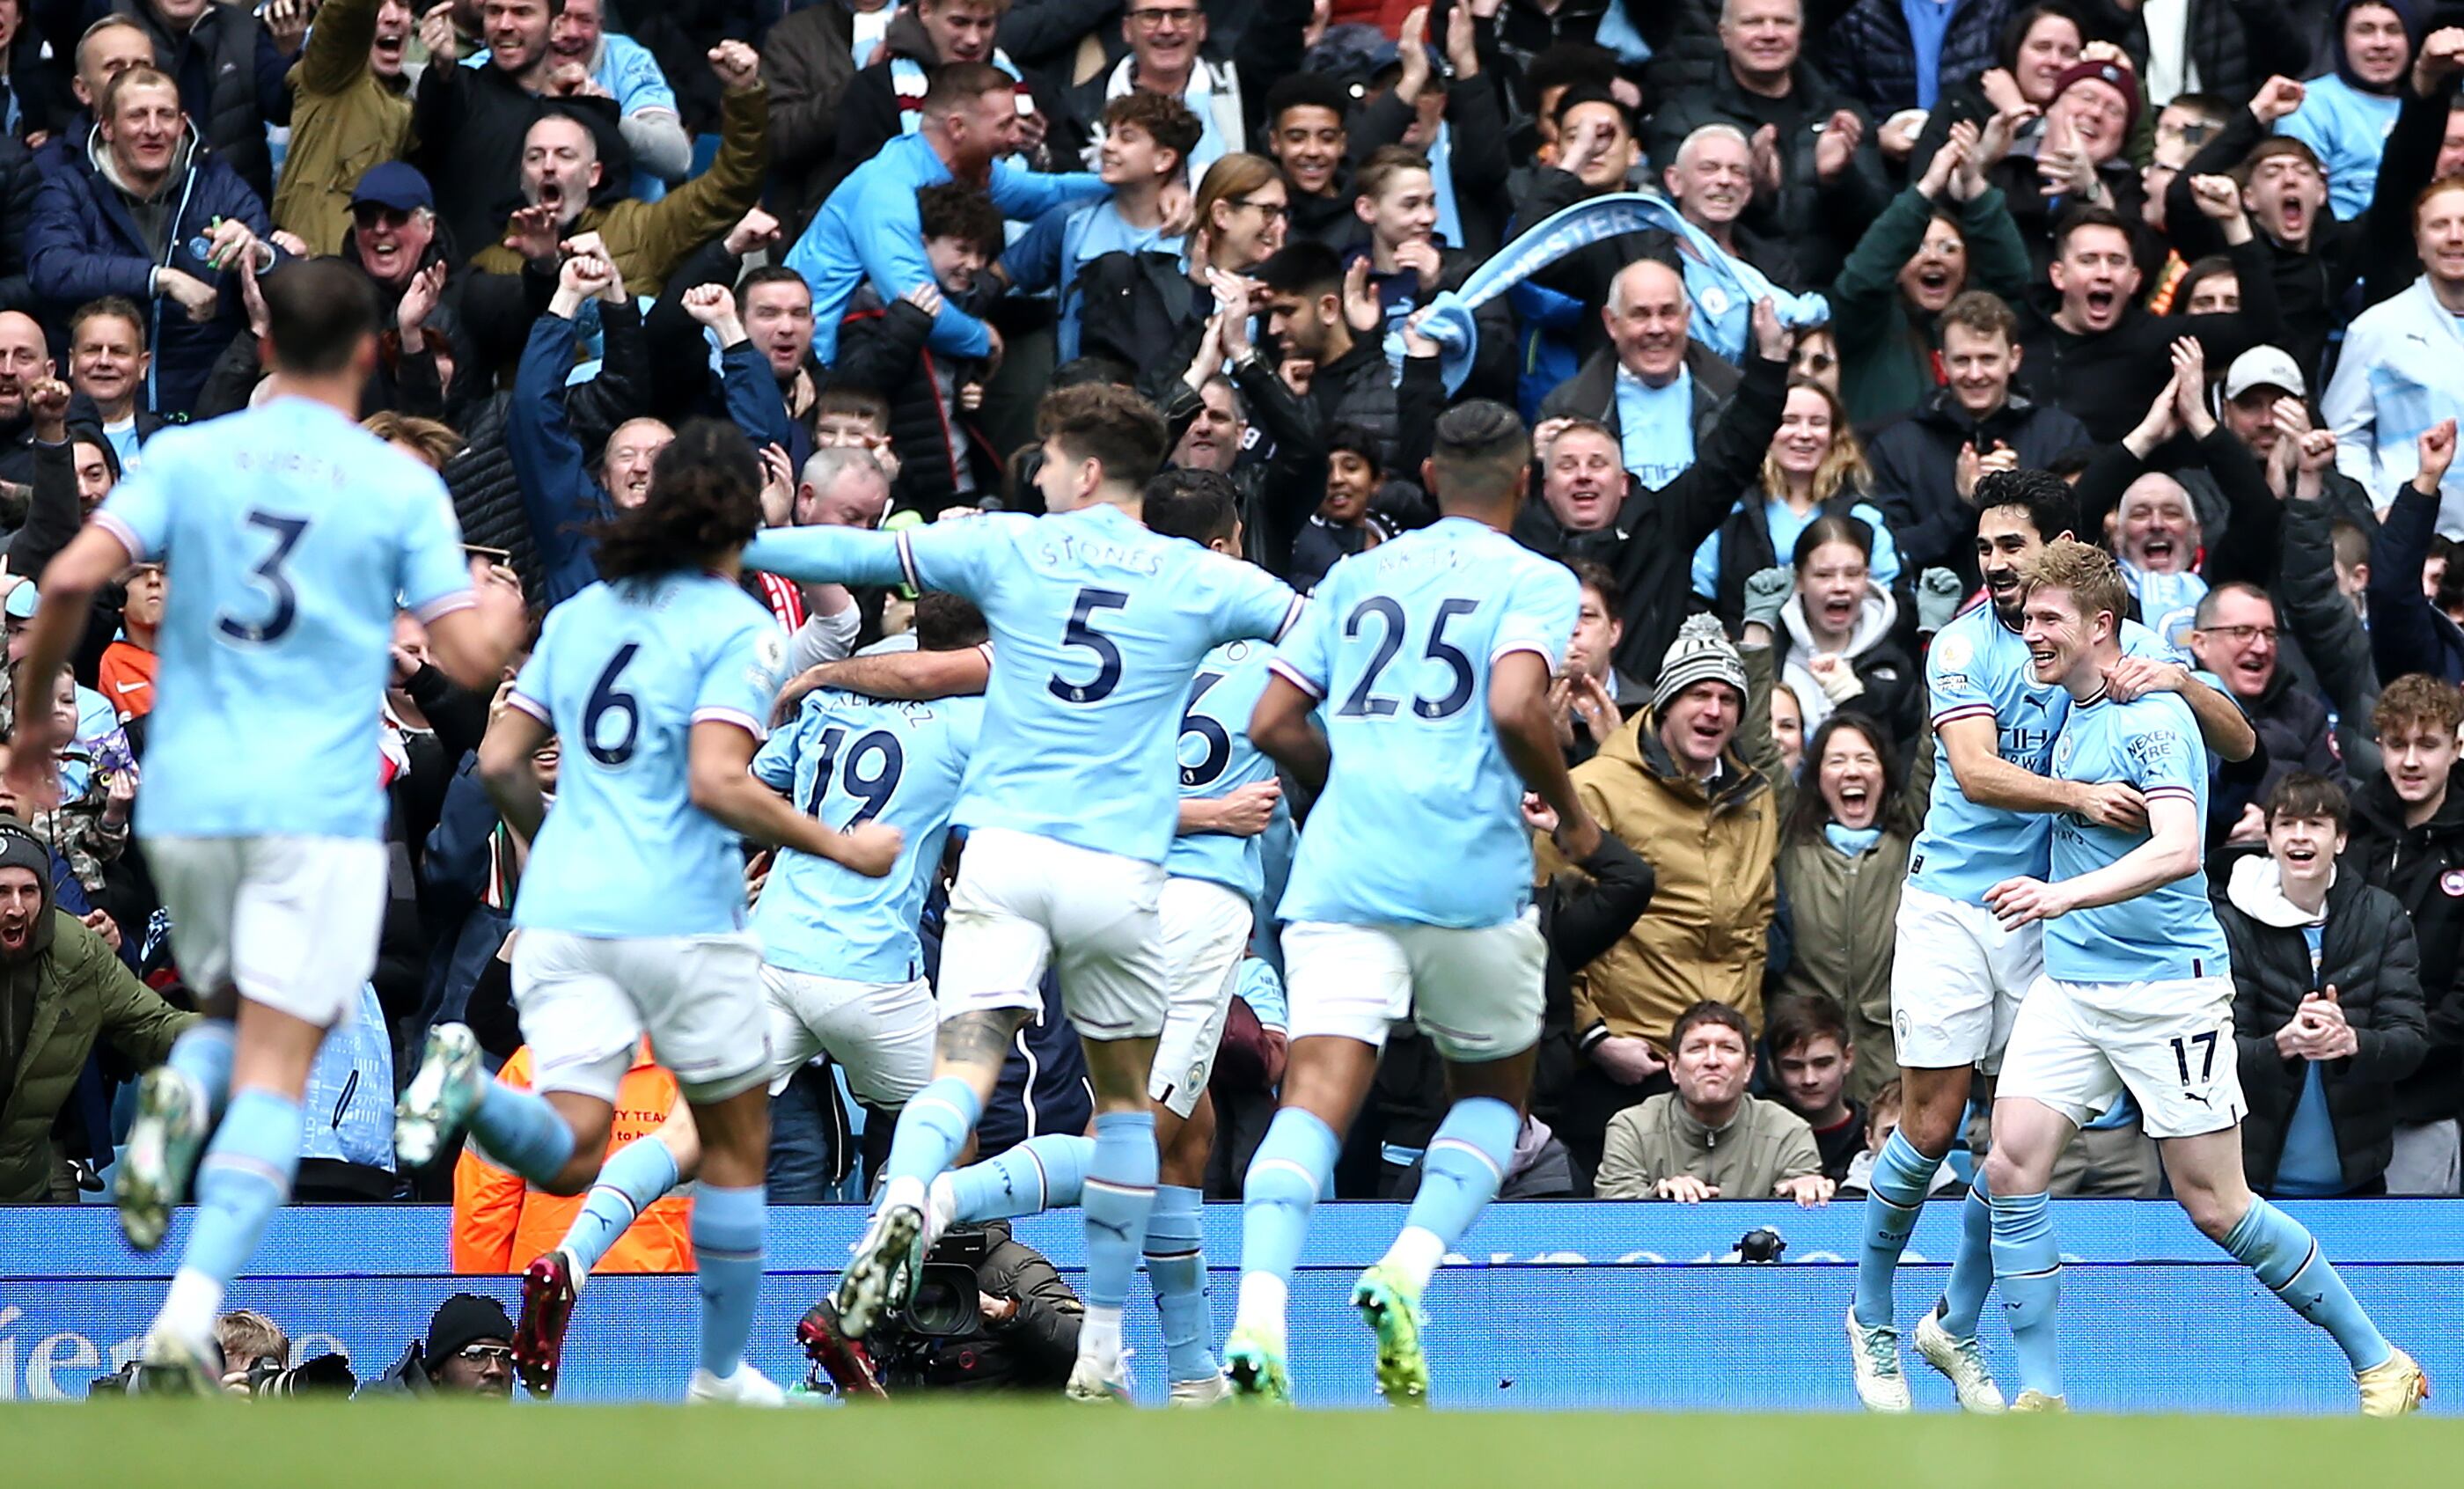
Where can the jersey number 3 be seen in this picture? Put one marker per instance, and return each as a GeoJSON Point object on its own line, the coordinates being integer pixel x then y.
{"type": "Point", "coordinates": [287, 532]}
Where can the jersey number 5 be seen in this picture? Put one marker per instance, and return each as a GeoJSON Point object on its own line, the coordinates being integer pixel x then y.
{"type": "Point", "coordinates": [287, 532]}
{"type": "Point", "coordinates": [1082, 633]}
{"type": "Point", "coordinates": [1364, 701]}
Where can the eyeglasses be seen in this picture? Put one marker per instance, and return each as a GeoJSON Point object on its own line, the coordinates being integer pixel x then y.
{"type": "Point", "coordinates": [2238, 634]}
{"type": "Point", "coordinates": [1155, 17]}
{"type": "Point", "coordinates": [481, 1354]}
{"type": "Point", "coordinates": [1272, 211]}
{"type": "Point", "coordinates": [368, 215]}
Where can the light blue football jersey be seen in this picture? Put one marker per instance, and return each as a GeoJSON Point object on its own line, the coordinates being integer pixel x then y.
{"type": "Point", "coordinates": [1217, 759]}
{"type": "Point", "coordinates": [1098, 626]}
{"type": "Point", "coordinates": [1421, 819]}
{"type": "Point", "coordinates": [623, 672]}
{"type": "Point", "coordinates": [289, 533]}
{"type": "Point", "coordinates": [847, 759]}
{"type": "Point", "coordinates": [1977, 668]}
{"type": "Point", "coordinates": [2171, 931]}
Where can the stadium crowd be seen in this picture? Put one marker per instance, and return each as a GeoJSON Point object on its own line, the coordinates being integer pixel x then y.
{"type": "Point", "coordinates": [2204, 259]}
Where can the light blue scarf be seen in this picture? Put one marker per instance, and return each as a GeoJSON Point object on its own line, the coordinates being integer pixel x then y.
{"type": "Point", "coordinates": [1707, 268]}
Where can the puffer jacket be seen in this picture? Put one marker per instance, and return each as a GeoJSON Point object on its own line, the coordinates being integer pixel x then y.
{"type": "Point", "coordinates": [1712, 851]}
{"type": "Point", "coordinates": [2367, 953]}
{"type": "Point", "coordinates": [345, 120]}
{"type": "Point", "coordinates": [84, 243]}
{"type": "Point", "coordinates": [81, 993]}
{"type": "Point", "coordinates": [1869, 54]}
{"type": "Point", "coordinates": [2424, 868]}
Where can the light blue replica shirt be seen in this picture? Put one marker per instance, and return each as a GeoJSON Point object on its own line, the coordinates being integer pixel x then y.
{"type": "Point", "coordinates": [622, 674]}
{"type": "Point", "coordinates": [869, 231]}
{"type": "Point", "coordinates": [1421, 819]}
{"type": "Point", "coordinates": [1098, 625]}
{"type": "Point", "coordinates": [1977, 668]}
{"type": "Point", "coordinates": [289, 535]}
{"type": "Point", "coordinates": [2171, 931]}
{"type": "Point", "coordinates": [1217, 759]}
{"type": "Point", "coordinates": [1656, 427]}
{"type": "Point", "coordinates": [848, 760]}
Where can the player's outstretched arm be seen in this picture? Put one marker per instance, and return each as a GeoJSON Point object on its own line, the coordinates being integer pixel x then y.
{"type": "Point", "coordinates": [720, 777]}
{"type": "Point", "coordinates": [911, 676]}
{"type": "Point", "coordinates": [828, 555]}
{"type": "Point", "coordinates": [1280, 727]}
{"type": "Point", "coordinates": [1518, 706]}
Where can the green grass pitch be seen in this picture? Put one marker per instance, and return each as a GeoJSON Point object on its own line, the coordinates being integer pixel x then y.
{"type": "Point", "coordinates": [207, 1445]}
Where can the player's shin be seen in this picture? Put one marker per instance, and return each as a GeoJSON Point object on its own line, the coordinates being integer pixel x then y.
{"type": "Point", "coordinates": [2028, 1268]}
{"type": "Point", "coordinates": [201, 1054]}
{"type": "Point", "coordinates": [1971, 1269]}
{"type": "Point", "coordinates": [932, 1128]}
{"type": "Point", "coordinates": [727, 1237]}
{"type": "Point", "coordinates": [1291, 1168]}
{"type": "Point", "coordinates": [1892, 1205]}
{"type": "Point", "coordinates": [1466, 1163]}
{"type": "Point", "coordinates": [1118, 1197]}
{"type": "Point", "coordinates": [1176, 1267]}
{"type": "Point", "coordinates": [629, 1182]}
{"type": "Point", "coordinates": [2281, 1251]}
{"type": "Point", "coordinates": [522, 1131]}
{"type": "Point", "coordinates": [1042, 1174]}
{"type": "Point", "coordinates": [245, 1178]}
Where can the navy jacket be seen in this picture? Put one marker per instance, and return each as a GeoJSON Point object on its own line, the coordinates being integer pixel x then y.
{"type": "Point", "coordinates": [84, 243]}
{"type": "Point", "coordinates": [560, 492]}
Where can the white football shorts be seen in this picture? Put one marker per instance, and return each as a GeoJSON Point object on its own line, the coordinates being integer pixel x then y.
{"type": "Point", "coordinates": [585, 1001]}
{"type": "Point", "coordinates": [290, 922]}
{"type": "Point", "coordinates": [879, 1032]}
{"type": "Point", "coordinates": [1205, 933]}
{"type": "Point", "coordinates": [1475, 992]}
{"type": "Point", "coordinates": [2077, 1045]}
{"type": "Point", "coordinates": [1957, 977]}
{"type": "Point", "coordinates": [1024, 901]}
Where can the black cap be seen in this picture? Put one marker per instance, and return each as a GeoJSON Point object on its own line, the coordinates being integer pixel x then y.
{"type": "Point", "coordinates": [465, 1319]}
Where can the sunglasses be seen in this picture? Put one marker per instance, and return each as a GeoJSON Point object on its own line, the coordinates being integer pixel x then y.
{"type": "Point", "coordinates": [368, 214]}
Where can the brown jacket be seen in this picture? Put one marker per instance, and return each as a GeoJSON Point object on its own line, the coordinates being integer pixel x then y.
{"type": "Point", "coordinates": [1705, 936]}
{"type": "Point", "coordinates": [343, 119]}
{"type": "Point", "coordinates": [649, 239]}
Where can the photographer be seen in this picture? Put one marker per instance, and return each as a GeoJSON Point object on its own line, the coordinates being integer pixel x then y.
{"type": "Point", "coordinates": [256, 1363]}
{"type": "Point", "coordinates": [989, 1313]}
{"type": "Point", "coordinates": [469, 1352]}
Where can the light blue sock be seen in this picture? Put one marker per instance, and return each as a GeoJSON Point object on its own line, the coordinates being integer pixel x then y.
{"type": "Point", "coordinates": [1894, 1198]}
{"type": "Point", "coordinates": [1042, 1174]}
{"type": "Point", "coordinates": [1293, 1166]}
{"type": "Point", "coordinates": [2028, 1268]}
{"type": "Point", "coordinates": [1971, 1270]}
{"type": "Point", "coordinates": [1466, 1161]}
{"type": "Point", "coordinates": [243, 1179]}
{"type": "Point", "coordinates": [931, 1130]}
{"type": "Point", "coordinates": [629, 1182]}
{"type": "Point", "coordinates": [1177, 1266]}
{"type": "Point", "coordinates": [727, 1226]}
{"type": "Point", "coordinates": [203, 1053]}
{"type": "Point", "coordinates": [521, 1131]}
{"type": "Point", "coordinates": [1118, 1196]}
{"type": "Point", "coordinates": [2281, 1251]}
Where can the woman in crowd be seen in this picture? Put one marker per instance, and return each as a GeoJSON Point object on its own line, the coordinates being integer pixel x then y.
{"type": "Point", "coordinates": [1847, 637]}
{"type": "Point", "coordinates": [1814, 467]}
{"type": "Point", "coordinates": [1843, 854]}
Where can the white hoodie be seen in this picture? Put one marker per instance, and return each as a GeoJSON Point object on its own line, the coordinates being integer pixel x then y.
{"type": "Point", "coordinates": [2256, 890]}
{"type": "Point", "coordinates": [1876, 616]}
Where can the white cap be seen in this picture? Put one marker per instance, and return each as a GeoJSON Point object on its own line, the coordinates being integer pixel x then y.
{"type": "Point", "coordinates": [2264, 366]}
